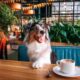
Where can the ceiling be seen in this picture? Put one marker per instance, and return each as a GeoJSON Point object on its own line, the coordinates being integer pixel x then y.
{"type": "Point", "coordinates": [12, 1]}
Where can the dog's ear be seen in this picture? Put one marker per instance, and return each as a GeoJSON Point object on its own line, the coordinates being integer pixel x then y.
{"type": "Point", "coordinates": [33, 26]}
{"type": "Point", "coordinates": [47, 28]}
{"type": "Point", "coordinates": [31, 36]}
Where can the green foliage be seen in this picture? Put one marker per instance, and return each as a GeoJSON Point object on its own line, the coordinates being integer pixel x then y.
{"type": "Point", "coordinates": [77, 22]}
{"type": "Point", "coordinates": [6, 16]}
{"type": "Point", "coordinates": [64, 32]}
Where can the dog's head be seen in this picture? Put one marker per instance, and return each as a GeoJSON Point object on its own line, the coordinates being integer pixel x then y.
{"type": "Point", "coordinates": [39, 32]}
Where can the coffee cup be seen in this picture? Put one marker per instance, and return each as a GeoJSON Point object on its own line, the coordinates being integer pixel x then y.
{"type": "Point", "coordinates": [66, 66]}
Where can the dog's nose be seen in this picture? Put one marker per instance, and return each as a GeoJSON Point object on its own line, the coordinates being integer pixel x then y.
{"type": "Point", "coordinates": [42, 32]}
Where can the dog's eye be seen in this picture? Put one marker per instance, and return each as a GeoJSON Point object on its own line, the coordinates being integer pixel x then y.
{"type": "Point", "coordinates": [42, 32]}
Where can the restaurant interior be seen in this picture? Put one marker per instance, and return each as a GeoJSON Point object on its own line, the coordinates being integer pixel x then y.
{"type": "Point", "coordinates": [20, 25]}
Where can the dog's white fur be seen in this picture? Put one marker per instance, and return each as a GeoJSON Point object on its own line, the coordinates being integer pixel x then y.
{"type": "Point", "coordinates": [39, 53]}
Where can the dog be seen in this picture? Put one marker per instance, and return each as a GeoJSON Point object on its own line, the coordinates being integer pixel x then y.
{"type": "Point", "coordinates": [39, 49]}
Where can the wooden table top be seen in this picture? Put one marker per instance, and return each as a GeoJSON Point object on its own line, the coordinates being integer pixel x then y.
{"type": "Point", "coordinates": [17, 70]}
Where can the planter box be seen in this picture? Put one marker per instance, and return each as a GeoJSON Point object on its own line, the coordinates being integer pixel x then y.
{"type": "Point", "coordinates": [60, 44]}
{"type": "Point", "coordinates": [67, 52]}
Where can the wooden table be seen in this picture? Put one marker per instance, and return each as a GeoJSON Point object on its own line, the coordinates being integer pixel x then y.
{"type": "Point", "coordinates": [17, 70]}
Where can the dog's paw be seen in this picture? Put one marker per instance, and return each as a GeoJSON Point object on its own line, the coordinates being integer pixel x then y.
{"type": "Point", "coordinates": [37, 65]}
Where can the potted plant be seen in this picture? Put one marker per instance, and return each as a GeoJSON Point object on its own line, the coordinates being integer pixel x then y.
{"type": "Point", "coordinates": [7, 16]}
{"type": "Point", "coordinates": [65, 33]}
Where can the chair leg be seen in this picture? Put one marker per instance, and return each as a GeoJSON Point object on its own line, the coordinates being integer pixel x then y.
{"type": "Point", "coordinates": [1, 53]}
{"type": "Point", "coordinates": [5, 53]}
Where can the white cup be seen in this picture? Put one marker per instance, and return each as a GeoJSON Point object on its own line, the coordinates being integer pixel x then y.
{"type": "Point", "coordinates": [66, 66]}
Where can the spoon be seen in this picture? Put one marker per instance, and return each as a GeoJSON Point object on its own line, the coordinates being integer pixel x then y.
{"type": "Point", "coordinates": [49, 74]}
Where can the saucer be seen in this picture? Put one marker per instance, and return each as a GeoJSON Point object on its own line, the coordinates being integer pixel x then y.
{"type": "Point", "coordinates": [57, 71]}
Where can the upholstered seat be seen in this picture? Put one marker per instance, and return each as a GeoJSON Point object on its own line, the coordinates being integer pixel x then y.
{"type": "Point", "coordinates": [67, 52]}
{"type": "Point", "coordinates": [58, 53]}
{"type": "Point", "coordinates": [22, 53]}
{"type": "Point", "coordinates": [23, 56]}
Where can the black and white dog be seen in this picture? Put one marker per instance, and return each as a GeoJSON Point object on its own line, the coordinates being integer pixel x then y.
{"type": "Point", "coordinates": [39, 49]}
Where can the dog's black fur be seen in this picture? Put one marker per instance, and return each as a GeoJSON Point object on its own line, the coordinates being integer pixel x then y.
{"type": "Point", "coordinates": [53, 58]}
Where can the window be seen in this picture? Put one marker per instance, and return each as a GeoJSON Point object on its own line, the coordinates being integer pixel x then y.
{"type": "Point", "coordinates": [66, 11]}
